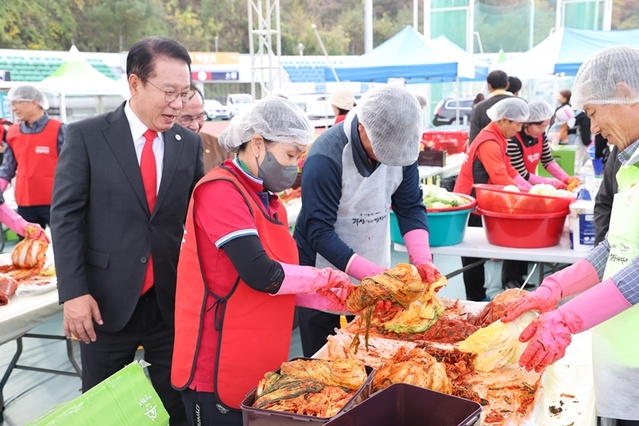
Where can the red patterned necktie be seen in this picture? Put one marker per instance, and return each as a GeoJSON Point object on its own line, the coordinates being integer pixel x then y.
{"type": "Point", "coordinates": [149, 178]}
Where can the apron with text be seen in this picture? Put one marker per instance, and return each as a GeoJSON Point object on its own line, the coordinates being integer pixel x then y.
{"type": "Point", "coordinates": [363, 212]}
{"type": "Point", "coordinates": [615, 348]}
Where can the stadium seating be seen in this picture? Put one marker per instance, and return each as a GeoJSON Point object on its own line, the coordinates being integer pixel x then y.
{"type": "Point", "coordinates": [35, 68]}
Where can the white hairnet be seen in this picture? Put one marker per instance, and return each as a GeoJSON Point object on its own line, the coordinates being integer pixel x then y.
{"type": "Point", "coordinates": [540, 111]}
{"type": "Point", "coordinates": [598, 78]}
{"type": "Point", "coordinates": [511, 108]}
{"type": "Point", "coordinates": [274, 118]}
{"type": "Point", "coordinates": [26, 92]}
{"type": "Point", "coordinates": [393, 122]}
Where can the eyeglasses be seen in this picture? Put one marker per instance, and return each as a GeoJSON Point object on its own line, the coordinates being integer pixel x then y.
{"type": "Point", "coordinates": [185, 120]}
{"type": "Point", "coordinates": [171, 96]}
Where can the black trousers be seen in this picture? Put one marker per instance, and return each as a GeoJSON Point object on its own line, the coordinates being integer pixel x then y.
{"type": "Point", "coordinates": [474, 278]}
{"type": "Point", "coordinates": [315, 327]}
{"type": "Point", "coordinates": [202, 409]}
{"type": "Point", "coordinates": [36, 214]}
{"type": "Point", "coordinates": [514, 271]}
{"type": "Point", "coordinates": [112, 351]}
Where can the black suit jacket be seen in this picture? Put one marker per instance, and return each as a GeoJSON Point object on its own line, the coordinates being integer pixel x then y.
{"type": "Point", "coordinates": [478, 117]}
{"type": "Point", "coordinates": [102, 231]}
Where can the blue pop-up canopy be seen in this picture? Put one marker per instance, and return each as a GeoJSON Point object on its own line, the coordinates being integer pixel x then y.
{"type": "Point", "coordinates": [405, 55]}
{"type": "Point", "coordinates": [563, 51]}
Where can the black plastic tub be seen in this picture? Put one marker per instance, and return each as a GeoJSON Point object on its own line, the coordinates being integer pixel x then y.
{"type": "Point", "coordinates": [407, 405]}
{"type": "Point", "coordinates": [252, 416]}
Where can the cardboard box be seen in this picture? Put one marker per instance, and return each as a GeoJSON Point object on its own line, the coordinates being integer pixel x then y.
{"type": "Point", "coordinates": [431, 157]}
{"type": "Point", "coordinates": [125, 398]}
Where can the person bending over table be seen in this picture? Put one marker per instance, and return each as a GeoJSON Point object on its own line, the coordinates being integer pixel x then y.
{"type": "Point", "coordinates": [353, 174]}
{"type": "Point", "coordinates": [487, 162]}
{"type": "Point", "coordinates": [607, 281]}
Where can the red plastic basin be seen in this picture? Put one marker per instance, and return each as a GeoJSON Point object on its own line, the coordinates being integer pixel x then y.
{"type": "Point", "coordinates": [523, 230]}
{"type": "Point", "coordinates": [493, 198]}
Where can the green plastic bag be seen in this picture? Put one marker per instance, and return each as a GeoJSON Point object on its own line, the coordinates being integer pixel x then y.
{"type": "Point", "coordinates": [125, 398]}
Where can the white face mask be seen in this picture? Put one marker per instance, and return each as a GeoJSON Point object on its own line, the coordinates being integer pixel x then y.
{"type": "Point", "coordinates": [275, 176]}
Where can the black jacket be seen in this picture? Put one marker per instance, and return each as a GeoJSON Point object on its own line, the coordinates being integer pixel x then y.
{"type": "Point", "coordinates": [478, 117]}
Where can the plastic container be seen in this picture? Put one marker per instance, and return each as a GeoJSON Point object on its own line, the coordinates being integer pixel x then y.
{"type": "Point", "coordinates": [446, 227]}
{"type": "Point", "coordinates": [582, 225]}
{"type": "Point", "coordinates": [451, 141]}
{"type": "Point", "coordinates": [407, 405]}
{"type": "Point", "coordinates": [523, 230]}
{"type": "Point", "coordinates": [252, 416]}
{"type": "Point", "coordinates": [493, 198]}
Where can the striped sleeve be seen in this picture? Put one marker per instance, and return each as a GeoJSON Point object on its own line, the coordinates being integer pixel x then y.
{"type": "Point", "coordinates": [516, 155]}
{"type": "Point", "coordinates": [546, 154]}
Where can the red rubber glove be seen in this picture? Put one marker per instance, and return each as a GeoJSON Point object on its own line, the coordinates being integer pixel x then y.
{"type": "Point", "coordinates": [428, 272]}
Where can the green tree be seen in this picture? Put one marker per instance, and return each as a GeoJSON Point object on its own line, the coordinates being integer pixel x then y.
{"type": "Point", "coordinates": [37, 25]}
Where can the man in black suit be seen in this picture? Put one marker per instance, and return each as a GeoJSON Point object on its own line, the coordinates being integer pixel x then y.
{"type": "Point", "coordinates": [120, 196]}
{"type": "Point", "coordinates": [497, 82]}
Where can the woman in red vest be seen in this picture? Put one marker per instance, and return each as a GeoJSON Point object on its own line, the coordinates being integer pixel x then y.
{"type": "Point", "coordinates": [238, 280]}
{"type": "Point", "coordinates": [487, 162]}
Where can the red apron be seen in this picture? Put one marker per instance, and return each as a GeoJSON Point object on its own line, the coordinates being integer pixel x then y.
{"type": "Point", "coordinates": [532, 153]}
{"type": "Point", "coordinates": [36, 155]}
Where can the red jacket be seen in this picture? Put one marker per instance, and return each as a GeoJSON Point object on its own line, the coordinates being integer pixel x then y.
{"type": "Point", "coordinates": [252, 329]}
{"type": "Point", "coordinates": [36, 155]}
{"type": "Point", "coordinates": [486, 163]}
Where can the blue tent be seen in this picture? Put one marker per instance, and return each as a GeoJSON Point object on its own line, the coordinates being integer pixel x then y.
{"type": "Point", "coordinates": [405, 55]}
{"type": "Point", "coordinates": [563, 51]}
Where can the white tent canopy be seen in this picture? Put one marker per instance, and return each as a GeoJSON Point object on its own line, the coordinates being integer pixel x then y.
{"type": "Point", "coordinates": [77, 77]}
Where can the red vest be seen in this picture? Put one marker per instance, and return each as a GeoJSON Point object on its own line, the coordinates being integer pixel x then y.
{"type": "Point", "coordinates": [253, 329]}
{"type": "Point", "coordinates": [471, 172]}
{"type": "Point", "coordinates": [532, 153]}
{"type": "Point", "coordinates": [36, 155]}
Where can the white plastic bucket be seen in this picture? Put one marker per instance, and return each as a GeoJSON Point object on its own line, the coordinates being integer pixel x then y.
{"type": "Point", "coordinates": [582, 225]}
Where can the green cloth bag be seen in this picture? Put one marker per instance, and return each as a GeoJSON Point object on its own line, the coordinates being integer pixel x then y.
{"type": "Point", "coordinates": [125, 398]}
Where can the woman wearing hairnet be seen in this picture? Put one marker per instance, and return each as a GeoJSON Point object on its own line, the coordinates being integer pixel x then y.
{"type": "Point", "coordinates": [529, 146]}
{"type": "Point", "coordinates": [525, 150]}
{"type": "Point", "coordinates": [607, 281]}
{"type": "Point", "coordinates": [238, 254]}
{"type": "Point", "coordinates": [488, 163]}
{"type": "Point", "coordinates": [353, 174]}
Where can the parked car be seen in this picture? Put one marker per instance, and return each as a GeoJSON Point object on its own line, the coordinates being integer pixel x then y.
{"type": "Point", "coordinates": [215, 109]}
{"type": "Point", "coordinates": [446, 111]}
{"type": "Point", "coordinates": [321, 107]}
{"type": "Point", "coordinates": [238, 102]}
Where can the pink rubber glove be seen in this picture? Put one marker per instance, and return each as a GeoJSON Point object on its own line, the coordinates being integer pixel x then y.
{"type": "Point", "coordinates": [307, 279]}
{"type": "Point", "coordinates": [359, 268]}
{"type": "Point", "coordinates": [556, 170]}
{"type": "Point", "coordinates": [550, 333]}
{"type": "Point", "coordinates": [16, 223]}
{"type": "Point", "coordinates": [571, 280]}
{"type": "Point", "coordinates": [418, 248]}
{"type": "Point", "coordinates": [522, 183]}
{"type": "Point", "coordinates": [3, 184]}
{"type": "Point", "coordinates": [535, 179]}
{"type": "Point", "coordinates": [333, 300]}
